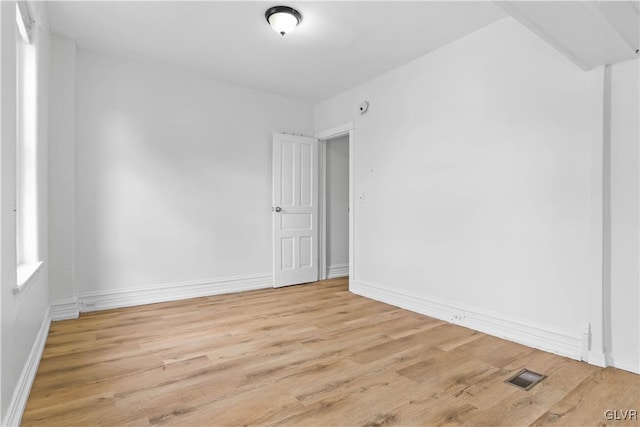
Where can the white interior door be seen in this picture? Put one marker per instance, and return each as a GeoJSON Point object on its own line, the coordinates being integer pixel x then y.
{"type": "Point", "coordinates": [295, 209]}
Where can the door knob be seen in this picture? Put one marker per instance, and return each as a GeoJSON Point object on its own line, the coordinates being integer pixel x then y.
{"type": "Point", "coordinates": [278, 209]}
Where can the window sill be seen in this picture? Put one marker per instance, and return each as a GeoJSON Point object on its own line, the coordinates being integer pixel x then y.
{"type": "Point", "coordinates": [26, 273]}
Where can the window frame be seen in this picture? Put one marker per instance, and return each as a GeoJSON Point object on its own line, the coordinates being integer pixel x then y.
{"type": "Point", "coordinates": [28, 260]}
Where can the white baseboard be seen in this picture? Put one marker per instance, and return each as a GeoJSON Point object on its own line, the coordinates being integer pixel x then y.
{"type": "Point", "coordinates": [337, 270]}
{"type": "Point", "coordinates": [104, 300]}
{"type": "Point", "coordinates": [28, 375]}
{"type": "Point", "coordinates": [542, 337]}
{"type": "Point", "coordinates": [597, 358]}
{"type": "Point", "coordinates": [64, 309]}
{"type": "Point", "coordinates": [624, 363]}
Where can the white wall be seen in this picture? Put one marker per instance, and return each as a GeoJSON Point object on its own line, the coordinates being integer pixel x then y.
{"type": "Point", "coordinates": [625, 215]}
{"type": "Point", "coordinates": [25, 314]}
{"type": "Point", "coordinates": [478, 164]}
{"type": "Point", "coordinates": [338, 204]}
{"type": "Point", "coordinates": [173, 175]}
{"type": "Point", "coordinates": [62, 169]}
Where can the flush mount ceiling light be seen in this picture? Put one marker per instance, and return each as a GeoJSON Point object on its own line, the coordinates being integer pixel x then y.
{"type": "Point", "coordinates": [283, 19]}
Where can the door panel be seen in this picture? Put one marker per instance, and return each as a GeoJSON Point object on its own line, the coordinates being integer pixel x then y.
{"type": "Point", "coordinates": [295, 209]}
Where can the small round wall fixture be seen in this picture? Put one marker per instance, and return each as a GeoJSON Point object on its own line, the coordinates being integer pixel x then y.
{"type": "Point", "coordinates": [283, 19]}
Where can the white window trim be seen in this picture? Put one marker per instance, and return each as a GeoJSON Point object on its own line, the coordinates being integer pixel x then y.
{"type": "Point", "coordinates": [28, 259]}
{"type": "Point", "coordinates": [24, 20]}
{"type": "Point", "coordinates": [25, 275]}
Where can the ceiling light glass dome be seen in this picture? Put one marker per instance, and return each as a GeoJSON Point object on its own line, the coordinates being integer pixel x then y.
{"type": "Point", "coordinates": [283, 19]}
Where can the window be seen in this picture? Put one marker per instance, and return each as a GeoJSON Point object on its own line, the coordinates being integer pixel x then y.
{"type": "Point", "coordinates": [26, 149]}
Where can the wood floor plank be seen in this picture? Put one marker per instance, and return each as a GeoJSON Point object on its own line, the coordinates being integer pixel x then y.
{"type": "Point", "coordinates": [605, 389]}
{"type": "Point", "coordinates": [310, 355]}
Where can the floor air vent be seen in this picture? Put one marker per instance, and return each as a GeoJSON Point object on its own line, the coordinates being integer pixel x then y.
{"type": "Point", "coordinates": [525, 379]}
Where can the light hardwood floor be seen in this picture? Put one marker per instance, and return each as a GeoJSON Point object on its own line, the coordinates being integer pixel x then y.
{"type": "Point", "coordinates": [309, 355]}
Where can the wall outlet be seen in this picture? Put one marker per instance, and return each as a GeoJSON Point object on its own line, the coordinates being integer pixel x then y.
{"type": "Point", "coordinates": [86, 305]}
{"type": "Point", "coordinates": [458, 318]}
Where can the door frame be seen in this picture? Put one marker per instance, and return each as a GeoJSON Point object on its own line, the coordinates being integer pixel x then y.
{"type": "Point", "coordinates": [324, 136]}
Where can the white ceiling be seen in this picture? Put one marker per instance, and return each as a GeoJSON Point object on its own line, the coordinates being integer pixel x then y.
{"type": "Point", "coordinates": [589, 33]}
{"type": "Point", "coordinates": [338, 45]}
